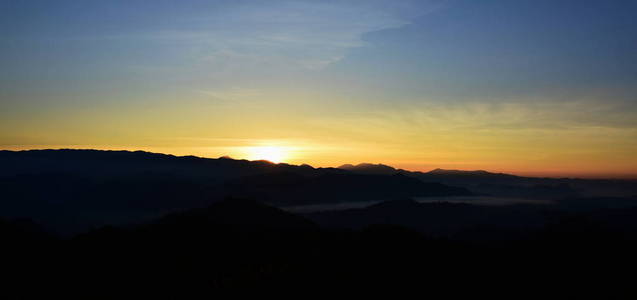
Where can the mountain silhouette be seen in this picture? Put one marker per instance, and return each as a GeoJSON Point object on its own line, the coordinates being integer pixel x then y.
{"type": "Point", "coordinates": [154, 225]}
{"type": "Point", "coordinates": [366, 168]}
{"type": "Point", "coordinates": [74, 190]}
{"type": "Point", "coordinates": [506, 185]}
{"type": "Point", "coordinates": [70, 191]}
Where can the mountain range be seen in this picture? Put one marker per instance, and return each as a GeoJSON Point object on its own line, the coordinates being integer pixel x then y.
{"type": "Point", "coordinates": [119, 224]}
{"type": "Point", "coordinates": [506, 185]}
{"type": "Point", "coordinates": [74, 190]}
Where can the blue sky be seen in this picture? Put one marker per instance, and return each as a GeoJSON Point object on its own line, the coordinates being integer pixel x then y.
{"type": "Point", "coordinates": [448, 49]}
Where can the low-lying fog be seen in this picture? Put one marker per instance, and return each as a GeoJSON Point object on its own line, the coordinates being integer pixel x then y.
{"type": "Point", "coordinates": [483, 200]}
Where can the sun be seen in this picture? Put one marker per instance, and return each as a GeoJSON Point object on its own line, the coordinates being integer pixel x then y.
{"type": "Point", "coordinates": [270, 153]}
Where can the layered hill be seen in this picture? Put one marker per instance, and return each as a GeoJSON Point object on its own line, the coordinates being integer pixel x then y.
{"type": "Point", "coordinates": [72, 189]}
{"type": "Point", "coordinates": [507, 185]}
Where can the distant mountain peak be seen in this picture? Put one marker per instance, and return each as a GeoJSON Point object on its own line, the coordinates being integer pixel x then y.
{"type": "Point", "coordinates": [461, 172]}
{"type": "Point", "coordinates": [369, 168]}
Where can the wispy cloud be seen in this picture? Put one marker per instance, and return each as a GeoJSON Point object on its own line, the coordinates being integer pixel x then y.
{"type": "Point", "coordinates": [307, 35]}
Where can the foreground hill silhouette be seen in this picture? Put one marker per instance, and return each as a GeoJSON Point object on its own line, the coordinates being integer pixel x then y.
{"type": "Point", "coordinates": [240, 245]}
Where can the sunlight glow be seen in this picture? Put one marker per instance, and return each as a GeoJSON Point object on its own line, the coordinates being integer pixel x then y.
{"type": "Point", "coordinates": [270, 153]}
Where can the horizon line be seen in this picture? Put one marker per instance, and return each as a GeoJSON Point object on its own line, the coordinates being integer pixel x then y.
{"type": "Point", "coordinates": [629, 177]}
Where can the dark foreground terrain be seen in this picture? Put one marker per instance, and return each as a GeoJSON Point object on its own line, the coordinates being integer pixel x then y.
{"type": "Point", "coordinates": [240, 245]}
{"type": "Point", "coordinates": [135, 225]}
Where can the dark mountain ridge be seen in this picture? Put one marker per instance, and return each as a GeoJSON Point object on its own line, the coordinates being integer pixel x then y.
{"type": "Point", "coordinates": [71, 190]}
{"type": "Point", "coordinates": [507, 185]}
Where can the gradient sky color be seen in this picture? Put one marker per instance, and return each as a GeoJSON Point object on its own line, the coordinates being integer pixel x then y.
{"type": "Point", "coordinates": [542, 87]}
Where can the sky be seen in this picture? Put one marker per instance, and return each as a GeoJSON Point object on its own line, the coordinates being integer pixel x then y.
{"type": "Point", "coordinates": [542, 87]}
